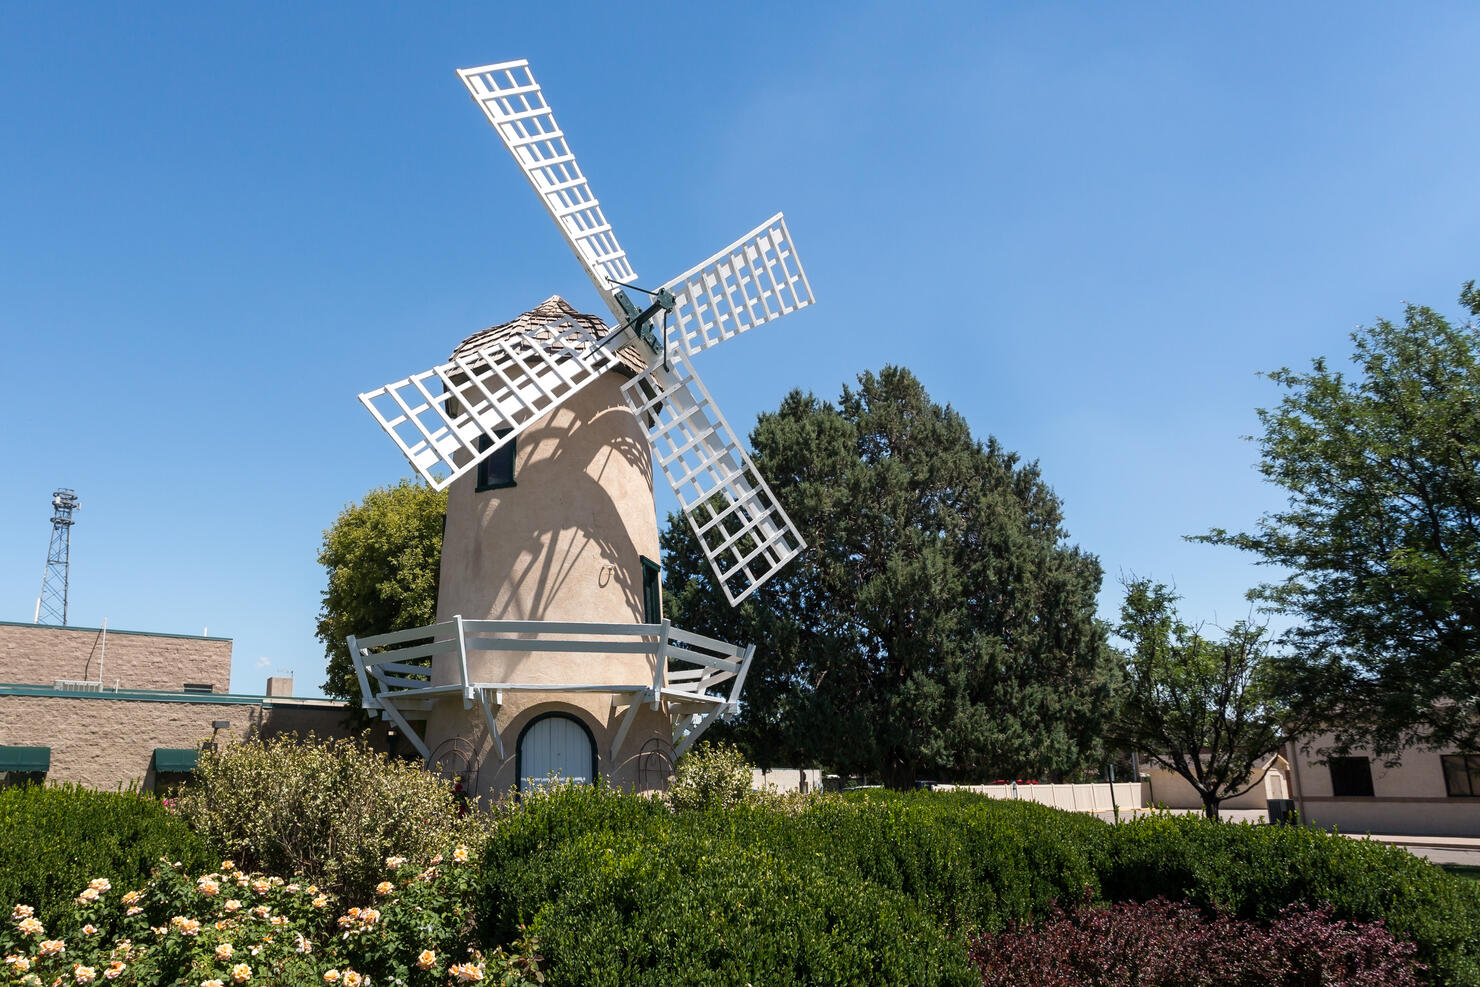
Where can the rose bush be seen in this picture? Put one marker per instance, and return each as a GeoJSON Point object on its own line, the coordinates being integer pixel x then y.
{"type": "Point", "coordinates": [230, 927]}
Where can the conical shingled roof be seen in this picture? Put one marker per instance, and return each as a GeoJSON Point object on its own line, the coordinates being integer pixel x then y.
{"type": "Point", "coordinates": [552, 309]}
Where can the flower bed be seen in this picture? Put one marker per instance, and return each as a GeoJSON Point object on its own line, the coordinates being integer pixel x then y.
{"type": "Point", "coordinates": [229, 927]}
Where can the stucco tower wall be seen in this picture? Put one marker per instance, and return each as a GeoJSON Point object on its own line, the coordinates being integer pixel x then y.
{"type": "Point", "coordinates": [564, 543]}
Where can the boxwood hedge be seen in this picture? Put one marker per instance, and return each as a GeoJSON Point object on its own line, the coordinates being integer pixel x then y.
{"type": "Point", "coordinates": [56, 838]}
{"type": "Point", "coordinates": [885, 888]}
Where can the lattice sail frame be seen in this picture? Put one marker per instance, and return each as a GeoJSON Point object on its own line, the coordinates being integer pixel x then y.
{"type": "Point", "coordinates": [742, 529]}
{"type": "Point", "coordinates": [754, 280]}
{"type": "Point", "coordinates": [515, 106]}
{"type": "Point", "coordinates": [488, 397]}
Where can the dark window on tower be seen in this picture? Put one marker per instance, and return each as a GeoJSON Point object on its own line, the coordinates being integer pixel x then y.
{"type": "Point", "coordinates": [1351, 777]}
{"type": "Point", "coordinates": [652, 592]}
{"type": "Point", "coordinates": [1461, 775]}
{"type": "Point", "coordinates": [497, 470]}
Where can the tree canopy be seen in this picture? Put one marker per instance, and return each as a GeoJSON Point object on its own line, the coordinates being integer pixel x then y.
{"type": "Point", "coordinates": [1381, 535]}
{"type": "Point", "coordinates": [383, 557]}
{"type": "Point", "coordinates": [938, 625]}
{"type": "Point", "coordinates": [1212, 711]}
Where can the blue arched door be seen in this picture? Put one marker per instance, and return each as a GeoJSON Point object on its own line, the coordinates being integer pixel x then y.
{"type": "Point", "coordinates": [555, 745]}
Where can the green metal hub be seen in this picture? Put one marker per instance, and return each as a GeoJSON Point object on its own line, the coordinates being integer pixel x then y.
{"type": "Point", "coordinates": [642, 321]}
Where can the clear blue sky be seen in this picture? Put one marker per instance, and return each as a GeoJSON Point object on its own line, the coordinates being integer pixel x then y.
{"type": "Point", "coordinates": [1086, 226]}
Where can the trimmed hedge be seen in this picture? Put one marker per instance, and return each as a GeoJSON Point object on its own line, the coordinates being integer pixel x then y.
{"type": "Point", "coordinates": [619, 890]}
{"type": "Point", "coordinates": [56, 838]}
{"type": "Point", "coordinates": [1255, 871]}
{"type": "Point", "coordinates": [884, 887]}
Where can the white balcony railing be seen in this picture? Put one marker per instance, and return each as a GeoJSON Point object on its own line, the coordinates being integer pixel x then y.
{"type": "Point", "coordinates": [687, 671]}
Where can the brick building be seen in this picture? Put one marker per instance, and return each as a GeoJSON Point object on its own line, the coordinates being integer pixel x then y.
{"type": "Point", "coordinates": [105, 707]}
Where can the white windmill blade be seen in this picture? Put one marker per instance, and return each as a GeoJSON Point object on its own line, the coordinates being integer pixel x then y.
{"type": "Point", "coordinates": [741, 527]}
{"type": "Point", "coordinates": [755, 279]}
{"type": "Point", "coordinates": [515, 105]}
{"type": "Point", "coordinates": [448, 419]}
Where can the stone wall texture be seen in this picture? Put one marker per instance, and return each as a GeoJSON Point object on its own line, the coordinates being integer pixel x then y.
{"type": "Point", "coordinates": [37, 654]}
{"type": "Point", "coordinates": [105, 743]}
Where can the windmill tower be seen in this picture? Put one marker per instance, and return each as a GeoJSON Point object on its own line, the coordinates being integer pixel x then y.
{"type": "Point", "coordinates": [52, 603]}
{"type": "Point", "coordinates": [550, 650]}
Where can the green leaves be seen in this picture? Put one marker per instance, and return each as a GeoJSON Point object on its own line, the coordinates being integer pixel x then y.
{"type": "Point", "coordinates": [1214, 711]}
{"type": "Point", "coordinates": [383, 557]}
{"type": "Point", "coordinates": [938, 624]}
{"type": "Point", "coordinates": [1381, 538]}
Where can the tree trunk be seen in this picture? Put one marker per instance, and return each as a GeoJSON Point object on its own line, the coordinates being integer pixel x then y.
{"type": "Point", "coordinates": [898, 773]}
{"type": "Point", "coordinates": [1210, 806]}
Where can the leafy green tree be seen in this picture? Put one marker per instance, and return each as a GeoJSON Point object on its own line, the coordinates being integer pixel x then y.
{"type": "Point", "coordinates": [1212, 711]}
{"type": "Point", "coordinates": [1381, 537]}
{"type": "Point", "coordinates": [938, 624]}
{"type": "Point", "coordinates": [383, 557]}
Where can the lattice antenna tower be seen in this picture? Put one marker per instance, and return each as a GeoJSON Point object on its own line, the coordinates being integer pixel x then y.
{"type": "Point", "coordinates": [52, 603]}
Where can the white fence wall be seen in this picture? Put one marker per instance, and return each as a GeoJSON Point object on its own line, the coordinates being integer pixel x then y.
{"type": "Point", "coordinates": [1075, 798]}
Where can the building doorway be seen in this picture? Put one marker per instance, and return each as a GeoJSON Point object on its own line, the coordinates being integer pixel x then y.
{"type": "Point", "coordinates": [555, 746]}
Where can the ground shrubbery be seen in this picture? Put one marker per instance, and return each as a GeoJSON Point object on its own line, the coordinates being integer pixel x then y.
{"type": "Point", "coordinates": [328, 811]}
{"type": "Point", "coordinates": [621, 890]}
{"type": "Point", "coordinates": [231, 927]}
{"type": "Point", "coordinates": [54, 839]}
{"type": "Point", "coordinates": [1255, 871]}
{"type": "Point", "coordinates": [1162, 942]}
{"type": "Point", "coordinates": [711, 885]}
{"type": "Point", "coordinates": [590, 869]}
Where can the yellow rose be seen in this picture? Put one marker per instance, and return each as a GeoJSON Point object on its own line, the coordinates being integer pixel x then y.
{"type": "Point", "coordinates": [52, 947]}
{"type": "Point", "coordinates": [224, 951]}
{"type": "Point", "coordinates": [231, 905]}
{"type": "Point", "coordinates": [132, 898]}
{"type": "Point", "coordinates": [30, 927]}
{"type": "Point", "coordinates": [331, 975]}
{"type": "Point", "coordinates": [18, 964]}
{"type": "Point", "coordinates": [22, 911]}
{"type": "Point", "coordinates": [84, 974]}
{"type": "Point", "coordinates": [352, 979]}
{"type": "Point", "coordinates": [115, 969]}
{"type": "Point", "coordinates": [467, 972]}
{"type": "Point", "coordinates": [384, 888]}
{"type": "Point", "coordinates": [241, 973]}
{"type": "Point", "coordinates": [100, 884]}
{"type": "Point", "coordinates": [211, 983]}
{"type": "Point", "coordinates": [460, 855]}
{"type": "Point", "coordinates": [426, 960]}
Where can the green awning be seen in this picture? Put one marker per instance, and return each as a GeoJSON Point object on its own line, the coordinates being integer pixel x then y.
{"type": "Point", "coordinates": [175, 758]}
{"type": "Point", "coordinates": [25, 758]}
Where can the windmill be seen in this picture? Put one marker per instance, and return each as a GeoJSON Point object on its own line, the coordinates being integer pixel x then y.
{"type": "Point", "coordinates": [587, 410]}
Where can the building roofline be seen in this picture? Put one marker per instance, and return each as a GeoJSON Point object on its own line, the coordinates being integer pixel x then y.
{"type": "Point", "coordinates": [162, 696]}
{"type": "Point", "coordinates": [111, 630]}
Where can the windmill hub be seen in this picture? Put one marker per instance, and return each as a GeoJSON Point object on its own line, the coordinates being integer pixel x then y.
{"type": "Point", "coordinates": [550, 654]}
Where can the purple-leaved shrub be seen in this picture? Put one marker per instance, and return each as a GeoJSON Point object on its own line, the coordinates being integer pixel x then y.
{"type": "Point", "coordinates": [1167, 944]}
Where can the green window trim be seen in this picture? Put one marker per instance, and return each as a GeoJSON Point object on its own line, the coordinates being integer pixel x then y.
{"type": "Point", "coordinates": [497, 471]}
{"type": "Point", "coordinates": [25, 759]}
{"type": "Point", "coordinates": [652, 591]}
{"type": "Point", "coordinates": [175, 759]}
